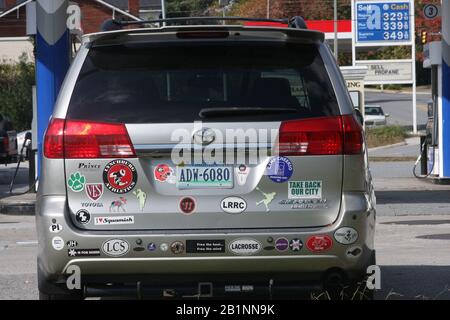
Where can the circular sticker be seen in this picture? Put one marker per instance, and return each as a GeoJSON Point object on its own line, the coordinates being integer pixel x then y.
{"type": "Point", "coordinates": [164, 247]}
{"type": "Point", "coordinates": [279, 169]}
{"type": "Point", "coordinates": [177, 247]}
{"type": "Point", "coordinates": [57, 243]}
{"type": "Point", "coordinates": [187, 205]}
{"type": "Point", "coordinates": [83, 216]}
{"type": "Point", "coordinates": [281, 244]}
{"type": "Point", "coordinates": [151, 246]}
{"type": "Point", "coordinates": [120, 176]}
{"type": "Point", "coordinates": [296, 244]}
{"type": "Point", "coordinates": [164, 173]}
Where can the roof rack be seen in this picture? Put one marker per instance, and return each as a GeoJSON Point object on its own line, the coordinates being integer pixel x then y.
{"type": "Point", "coordinates": [295, 22]}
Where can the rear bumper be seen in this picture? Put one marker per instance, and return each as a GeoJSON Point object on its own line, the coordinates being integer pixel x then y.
{"type": "Point", "coordinates": [141, 264]}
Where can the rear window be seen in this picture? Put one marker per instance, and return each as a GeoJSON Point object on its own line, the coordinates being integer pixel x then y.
{"type": "Point", "coordinates": [202, 82]}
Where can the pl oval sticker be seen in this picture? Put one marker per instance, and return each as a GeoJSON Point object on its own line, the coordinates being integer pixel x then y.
{"type": "Point", "coordinates": [120, 176]}
{"type": "Point", "coordinates": [245, 246]}
{"type": "Point", "coordinates": [233, 205]}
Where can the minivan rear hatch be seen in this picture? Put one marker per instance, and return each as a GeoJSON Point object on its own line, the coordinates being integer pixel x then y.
{"type": "Point", "coordinates": [223, 134]}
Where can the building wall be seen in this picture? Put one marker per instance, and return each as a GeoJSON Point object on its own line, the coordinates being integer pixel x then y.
{"type": "Point", "coordinates": [11, 49]}
{"type": "Point", "coordinates": [14, 24]}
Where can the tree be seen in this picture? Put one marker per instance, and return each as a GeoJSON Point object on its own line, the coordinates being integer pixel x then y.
{"type": "Point", "coordinates": [16, 81]}
{"type": "Point", "coordinates": [187, 8]}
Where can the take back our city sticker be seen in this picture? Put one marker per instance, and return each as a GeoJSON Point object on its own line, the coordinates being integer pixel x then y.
{"type": "Point", "coordinates": [306, 189]}
{"type": "Point", "coordinates": [120, 176]}
{"type": "Point", "coordinates": [279, 169]}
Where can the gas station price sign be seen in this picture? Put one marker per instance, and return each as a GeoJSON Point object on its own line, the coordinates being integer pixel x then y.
{"type": "Point", "coordinates": [383, 22]}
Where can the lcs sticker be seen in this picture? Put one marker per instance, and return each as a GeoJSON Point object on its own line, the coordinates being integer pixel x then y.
{"type": "Point", "coordinates": [120, 176]}
{"type": "Point", "coordinates": [279, 169]}
{"type": "Point", "coordinates": [164, 173]}
{"type": "Point", "coordinates": [76, 182]}
{"type": "Point", "coordinates": [305, 189]}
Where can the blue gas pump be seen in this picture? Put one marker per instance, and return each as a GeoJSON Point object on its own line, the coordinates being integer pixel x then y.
{"type": "Point", "coordinates": [52, 60]}
{"type": "Point", "coordinates": [444, 159]}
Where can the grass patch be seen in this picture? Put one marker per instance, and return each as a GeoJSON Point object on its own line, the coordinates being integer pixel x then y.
{"type": "Point", "coordinates": [377, 137]}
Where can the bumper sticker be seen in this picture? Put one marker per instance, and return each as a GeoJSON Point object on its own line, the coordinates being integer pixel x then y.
{"type": "Point", "coordinates": [306, 189]}
{"type": "Point", "coordinates": [279, 169]}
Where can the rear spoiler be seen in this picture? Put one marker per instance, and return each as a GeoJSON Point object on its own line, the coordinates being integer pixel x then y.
{"type": "Point", "coordinates": [110, 25]}
{"type": "Point", "coordinates": [287, 29]}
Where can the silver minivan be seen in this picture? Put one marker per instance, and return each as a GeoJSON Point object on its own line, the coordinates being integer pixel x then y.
{"type": "Point", "coordinates": [204, 161]}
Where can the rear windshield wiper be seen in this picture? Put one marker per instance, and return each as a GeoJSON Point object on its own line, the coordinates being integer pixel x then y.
{"type": "Point", "coordinates": [230, 111]}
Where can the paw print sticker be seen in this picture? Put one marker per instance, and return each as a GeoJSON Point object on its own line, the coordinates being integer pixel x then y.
{"type": "Point", "coordinates": [76, 182]}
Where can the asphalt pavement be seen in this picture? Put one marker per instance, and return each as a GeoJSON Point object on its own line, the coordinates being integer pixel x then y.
{"type": "Point", "coordinates": [399, 106]}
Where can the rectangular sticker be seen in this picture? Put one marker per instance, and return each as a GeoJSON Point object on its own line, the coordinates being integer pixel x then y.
{"type": "Point", "coordinates": [83, 252]}
{"type": "Point", "coordinates": [205, 246]}
{"type": "Point", "coordinates": [101, 221]}
{"type": "Point", "coordinates": [306, 189]}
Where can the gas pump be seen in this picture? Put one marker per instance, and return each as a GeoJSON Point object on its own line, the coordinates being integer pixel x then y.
{"type": "Point", "coordinates": [429, 143]}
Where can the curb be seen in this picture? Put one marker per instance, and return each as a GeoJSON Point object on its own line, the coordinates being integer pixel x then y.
{"type": "Point", "coordinates": [18, 209]}
{"type": "Point", "coordinates": [395, 91]}
{"type": "Point", "coordinates": [398, 144]}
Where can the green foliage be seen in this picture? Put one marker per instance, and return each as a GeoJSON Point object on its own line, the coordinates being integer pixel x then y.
{"type": "Point", "coordinates": [186, 8]}
{"type": "Point", "coordinates": [16, 81]}
{"type": "Point", "coordinates": [385, 135]}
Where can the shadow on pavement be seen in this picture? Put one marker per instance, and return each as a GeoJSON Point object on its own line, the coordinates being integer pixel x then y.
{"type": "Point", "coordinates": [413, 196]}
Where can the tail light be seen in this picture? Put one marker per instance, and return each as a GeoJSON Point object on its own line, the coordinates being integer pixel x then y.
{"type": "Point", "coordinates": [320, 136]}
{"type": "Point", "coordinates": [6, 144]}
{"type": "Point", "coordinates": [84, 139]}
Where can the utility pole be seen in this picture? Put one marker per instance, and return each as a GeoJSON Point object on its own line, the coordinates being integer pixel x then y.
{"type": "Point", "coordinates": [335, 30]}
{"type": "Point", "coordinates": [163, 11]}
{"type": "Point", "coordinates": [268, 9]}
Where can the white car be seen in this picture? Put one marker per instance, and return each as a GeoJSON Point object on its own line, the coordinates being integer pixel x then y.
{"type": "Point", "coordinates": [374, 116]}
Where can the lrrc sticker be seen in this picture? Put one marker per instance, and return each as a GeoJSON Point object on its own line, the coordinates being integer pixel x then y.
{"type": "Point", "coordinates": [306, 189]}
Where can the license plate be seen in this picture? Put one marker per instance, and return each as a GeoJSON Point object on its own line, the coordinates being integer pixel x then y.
{"type": "Point", "coordinates": [191, 177]}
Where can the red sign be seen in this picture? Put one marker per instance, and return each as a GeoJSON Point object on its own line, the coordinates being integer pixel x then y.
{"type": "Point", "coordinates": [319, 243]}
